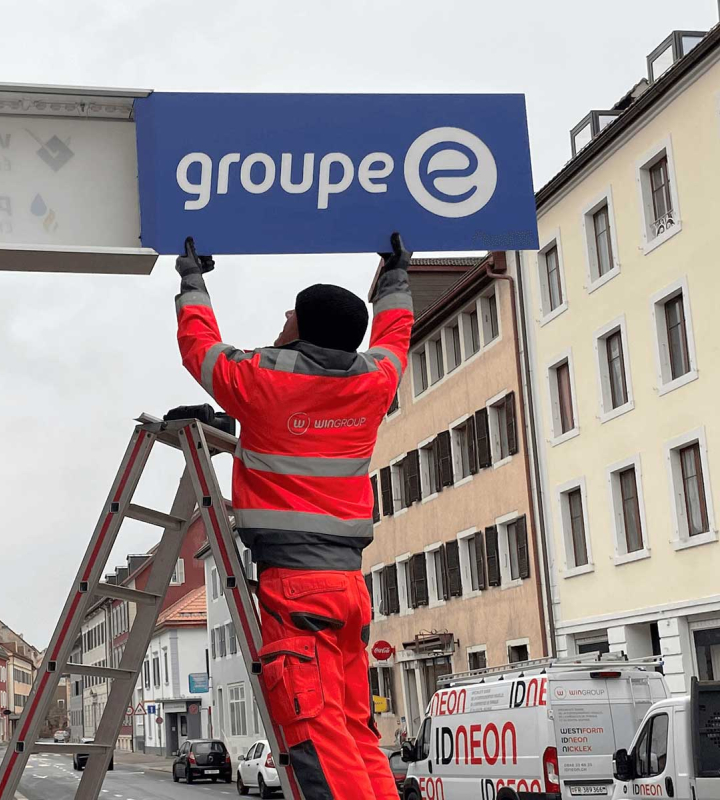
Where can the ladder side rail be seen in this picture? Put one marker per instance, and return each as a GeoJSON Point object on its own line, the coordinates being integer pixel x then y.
{"type": "Point", "coordinates": [237, 593]}
{"type": "Point", "coordinates": [143, 628]}
{"type": "Point", "coordinates": [81, 596]}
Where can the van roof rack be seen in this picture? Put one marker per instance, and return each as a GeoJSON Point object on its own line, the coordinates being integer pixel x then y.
{"type": "Point", "coordinates": [540, 666]}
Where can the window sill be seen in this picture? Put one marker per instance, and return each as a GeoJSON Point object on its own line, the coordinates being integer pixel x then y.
{"type": "Point", "coordinates": [511, 584]}
{"type": "Point", "coordinates": [606, 278]}
{"type": "Point", "coordinates": [463, 481]}
{"type": "Point", "coordinates": [617, 412]}
{"type": "Point", "coordinates": [575, 571]}
{"type": "Point", "coordinates": [401, 511]}
{"type": "Point", "coordinates": [436, 603]}
{"type": "Point", "coordinates": [502, 462]}
{"type": "Point", "coordinates": [553, 314]}
{"type": "Point", "coordinates": [491, 343]}
{"type": "Point", "coordinates": [628, 558]}
{"type": "Point", "coordinates": [471, 595]}
{"type": "Point", "coordinates": [688, 377]}
{"type": "Point", "coordinates": [695, 541]}
{"type": "Point", "coordinates": [406, 612]}
{"type": "Point", "coordinates": [653, 244]}
{"type": "Point", "coordinates": [565, 437]}
{"type": "Point", "coordinates": [428, 498]}
{"type": "Point", "coordinates": [394, 415]}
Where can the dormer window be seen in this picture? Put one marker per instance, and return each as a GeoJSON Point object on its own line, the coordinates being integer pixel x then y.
{"type": "Point", "coordinates": [677, 45]}
{"type": "Point", "coordinates": [589, 127]}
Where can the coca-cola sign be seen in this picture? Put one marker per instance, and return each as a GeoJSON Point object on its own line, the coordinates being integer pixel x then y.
{"type": "Point", "coordinates": [382, 650]}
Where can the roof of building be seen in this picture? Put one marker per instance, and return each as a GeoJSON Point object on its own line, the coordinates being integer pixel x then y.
{"type": "Point", "coordinates": [644, 102]}
{"type": "Point", "coordinates": [190, 611]}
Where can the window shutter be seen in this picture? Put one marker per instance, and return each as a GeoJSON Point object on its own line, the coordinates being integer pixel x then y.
{"type": "Point", "coordinates": [493, 556]}
{"type": "Point", "coordinates": [436, 459]}
{"type": "Point", "coordinates": [412, 476]}
{"type": "Point", "coordinates": [452, 557]}
{"type": "Point", "coordinates": [522, 548]}
{"type": "Point", "coordinates": [446, 580]}
{"type": "Point", "coordinates": [390, 687]}
{"type": "Point", "coordinates": [382, 577]}
{"type": "Point", "coordinates": [480, 560]}
{"type": "Point", "coordinates": [418, 567]}
{"type": "Point", "coordinates": [386, 490]}
{"type": "Point", "coordinates": [471, 436]}
{"type": "Point", "coordinates": [511, 426]}
{"type": "Point", "coordinates": [376, 501]}
{"type": "Point", "coordinates": [368, 583]}
{"type": "Point", "coordinates": [482, 426]}
{"type": "Point", "coordinates": [445, 458]}
{"type": "Point", "coordinates": [181, 571]}
{"type": "Point", "coordinates": [212, 649]}
{"type": "Point", "coordinates": [392, 606]}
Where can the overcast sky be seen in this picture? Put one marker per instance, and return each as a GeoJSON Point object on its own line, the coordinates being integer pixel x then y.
{"type": "Point", "coordinates": [80, 356]}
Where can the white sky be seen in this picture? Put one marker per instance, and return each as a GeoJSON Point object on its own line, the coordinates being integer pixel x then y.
{"type": "Point", "coordinates": [80, 356]}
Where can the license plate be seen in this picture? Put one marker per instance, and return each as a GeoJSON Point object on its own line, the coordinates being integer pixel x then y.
{"type": "Point", "coordinates": [212, 771]}
{"type": "Point", "coordinates": [588, 791]}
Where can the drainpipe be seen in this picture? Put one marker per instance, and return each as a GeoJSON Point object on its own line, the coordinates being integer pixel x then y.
{"type": "Point", "coordinates": [548, 647]}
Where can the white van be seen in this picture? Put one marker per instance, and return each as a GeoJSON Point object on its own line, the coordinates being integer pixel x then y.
{"type": "Point", "coordinates": [676, 751]}
{"type": "Point", "coordinates": [530, 733]}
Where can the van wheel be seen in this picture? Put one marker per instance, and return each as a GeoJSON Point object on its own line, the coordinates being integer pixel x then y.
{"type": "Point", "coordinates": [506, 794]}
{"type": "Point", "coordinates": [412, 794]}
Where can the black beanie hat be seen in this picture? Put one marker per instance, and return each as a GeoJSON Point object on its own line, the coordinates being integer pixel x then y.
{"type": "Point", "coordinates": [330, 316]}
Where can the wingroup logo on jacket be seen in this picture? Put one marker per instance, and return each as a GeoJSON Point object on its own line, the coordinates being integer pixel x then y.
{"type": "Point", "coordinates": [298, 423]}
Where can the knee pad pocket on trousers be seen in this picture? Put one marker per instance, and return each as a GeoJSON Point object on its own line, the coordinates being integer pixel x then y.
{"type": "Point", "coordinates": [291, 677]}
{"type": "Point", "coordinates": [308, 771]}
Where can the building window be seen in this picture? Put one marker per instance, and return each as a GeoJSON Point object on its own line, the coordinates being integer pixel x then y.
{"type": "Point", "coordinates": [213, 644]}
{"type": "Point", "coordinates": [232, 639]}
{"type": "Point", "coordinates": [477, 659]}
{"type": "Point", "coordinates": [675, 342]}
{"type": "Point", "coordinates": [146, 673]}
{"type": "Point", "coordinates": [707, 651]}
{"type": "Point", "coordinates": [475, 560]}
{"type": "Point", "coordinates": [167, 668]}
{"type": "Point", "coordinates": [428, 468]}
{"type": "Point", "coordinates": [518, 653]}
{"type": "Point", "coordinates": [238, 711]}
{"type": "Point", "coordinates": [404, 585]}
{"type": "Point", "coordinates": [659, 196]}
{"type": "Point", "coordinates": [693, 489]}
{"type": "Point", "coordinates": [503, 431]}
{"type": "Point", "coordinates": [214, 583]}
{"type": "Point", "coordinates": [390, 594]}
{"type": "Point", "coordinates": [221, 641]}
{"type": "Point", "coordinates": [395, 405]}
{"type": "Point", "coordinates": [420, 371]}
{"type": "Point", "coordinates": [597, 643]}
{"type": "Point", "coordinates": [552, 267]}
{"type": "Point", "coordinates": [382, 686]}
{"type": "Point", "coordinates": [573, 513]}
{"type": "Point", "coordinates": [437, 364]}
{"type": "Point", "coordinates": [437, 570]}
{"type": "Point", "coordinates": [471, 331]}
{"type": "Point", "coordinates": [552, 282]}
{"type": "Point", "coordinates": [452, 346]}
{"type": "Point", "coordinates": [379, 590]}
{"type": "Point", "coordinates": [562, 404]}
{"type": "Point", "coordinates": [513, 546]}
{"type": "Point", "coordinates": [628, 510]}
{"type": "Point", "coordinates": [156, 669]}
{"type": "Point", "coordinates": [491, 326]}
{"type": "Point", "coordinates": [178, 576]}
{"type": "Point", "coordinates": [419, 595]}
{"type": "Point", "coordinates": [399, 485]}
{"type": "Point", "coordinates": [691, 495]}
{"type": "Point", "coordinates": [603, 243]}
{"type": "Point", "coordinates": [614, 373]}
{"type": "Point", "coordinates": [464, 447]}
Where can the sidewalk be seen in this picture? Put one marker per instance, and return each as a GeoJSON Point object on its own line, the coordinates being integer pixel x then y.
{"type": "Point", "coordinates": [151, 762]}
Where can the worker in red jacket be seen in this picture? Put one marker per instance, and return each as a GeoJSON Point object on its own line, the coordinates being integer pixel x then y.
{"type": "Point", "coordinates": [309, 410]}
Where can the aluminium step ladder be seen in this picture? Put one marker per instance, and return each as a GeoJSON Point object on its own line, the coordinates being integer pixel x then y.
{"type": "Point", "coordinates": [198, 488]}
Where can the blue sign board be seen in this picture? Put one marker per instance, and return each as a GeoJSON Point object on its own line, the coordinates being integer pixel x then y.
{"type": "Point", "coordinates": [281, 173]}
{"type": "Point", "coordinates": [151, 709]}
{"type": "Point", "coordinates": [199, 682]}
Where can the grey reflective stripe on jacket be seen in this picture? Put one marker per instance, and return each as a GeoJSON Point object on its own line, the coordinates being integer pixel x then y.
{"type": "Point", "coordinates": [383, 352]}
{"type": "Point", "coordinates": [194, 298]}
{"type": "Point", "coordinates": [303, 522]}
{"type": "Point", "coordinates": [394, 300]}
{"type": "Point", "coordinates": [282, 360]}
{"type": "Point", "coordinates": [310, 466]}
{"type": "Point", "coordinates": [211, 357]}
{"type": "Point", "coordinates": [392, 290]}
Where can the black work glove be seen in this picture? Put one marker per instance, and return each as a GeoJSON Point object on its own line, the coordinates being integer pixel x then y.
{"type": "Point", "coordinates": [190, 263]}
{"type": "Point", "coordinates": [399, 258]}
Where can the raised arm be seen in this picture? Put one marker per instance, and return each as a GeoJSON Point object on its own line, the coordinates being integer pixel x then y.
{"type": "Point", "coordinates": [222, 370]}
{"type": "Point", "coordinates": [392, 313]}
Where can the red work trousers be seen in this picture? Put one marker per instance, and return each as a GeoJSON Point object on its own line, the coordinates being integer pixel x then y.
{"type": "Point", "coordinates": [315, 629]}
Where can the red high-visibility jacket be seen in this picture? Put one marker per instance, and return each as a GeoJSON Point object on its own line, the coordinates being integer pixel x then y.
{"type": "Point", "coordinates": [309, 418]}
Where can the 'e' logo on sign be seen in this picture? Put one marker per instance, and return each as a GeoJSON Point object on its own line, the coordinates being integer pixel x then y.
{"type": "Point", "coordinates": [298, 423]}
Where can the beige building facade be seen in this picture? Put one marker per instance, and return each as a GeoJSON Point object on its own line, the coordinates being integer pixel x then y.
{"type": "Point", "coordinates": [453, 567]}
{"type": "Point", "coordinates": [621, 308]}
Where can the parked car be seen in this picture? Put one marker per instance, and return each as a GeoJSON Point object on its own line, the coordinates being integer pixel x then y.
{"type": "Point", "coordinates": [257, 771]}
{"type": "Point", "coordinates": [202, 758]}
{"type": "Point", "coordinates": [80, 759]}
{"type": "Point", "coordinates": [60, 736]}
{"type": "Point", "coordinates": [398, 767]}
{"type": "Point", "coordinates": [675, 751]}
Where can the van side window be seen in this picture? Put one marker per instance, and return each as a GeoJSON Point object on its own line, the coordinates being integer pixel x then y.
{"type": "Point", "coordinates": [651, 749]}
{"type": "Point", "coordinates": [423, 740]}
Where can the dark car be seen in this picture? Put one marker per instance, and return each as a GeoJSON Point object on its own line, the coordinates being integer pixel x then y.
{"type": "Point", "coordinates": [80, 759]}
{"type": "Point", "coordinates": [397, 766]}
{"type": "Point", "coordinates": [203, 758]}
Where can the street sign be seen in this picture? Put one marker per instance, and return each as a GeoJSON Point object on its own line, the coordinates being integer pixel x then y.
{"type": "Point", "coordinates": [159, 720]}
{"type": "Point", "coordinates": [68, 181]}
{"type": "Point", "coordinates": [199, 682]}
{"type": "Point", "coordinates": [140, 710]}
{"type": "Point", "coordinates": [130, 711]}
{"type": "Point", "coordinates": [254, 173]}
{"type": "Point", "coordinates": [382, 650]}
{"type": "Point", "coordinates": [151, 709]}
{"type": "Point", "coordinates": [193, 708]}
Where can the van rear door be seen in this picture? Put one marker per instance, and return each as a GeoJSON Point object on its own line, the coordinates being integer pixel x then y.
{"type": "Point", "coordinates": [594, 714]}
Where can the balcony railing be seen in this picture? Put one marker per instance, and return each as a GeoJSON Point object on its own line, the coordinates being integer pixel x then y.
{"type": "Point", "coordinates": [664, 223]}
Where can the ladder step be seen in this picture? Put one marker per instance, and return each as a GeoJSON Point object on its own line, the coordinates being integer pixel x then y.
{"type": "Point", "coordinates": [123, 593]}
{"type": "Point", "coordinates": [153, 517]}
{"type": "Point", "coordinates": [71, 748]}
{"type": "Point", "coordinates": [98, 672]}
